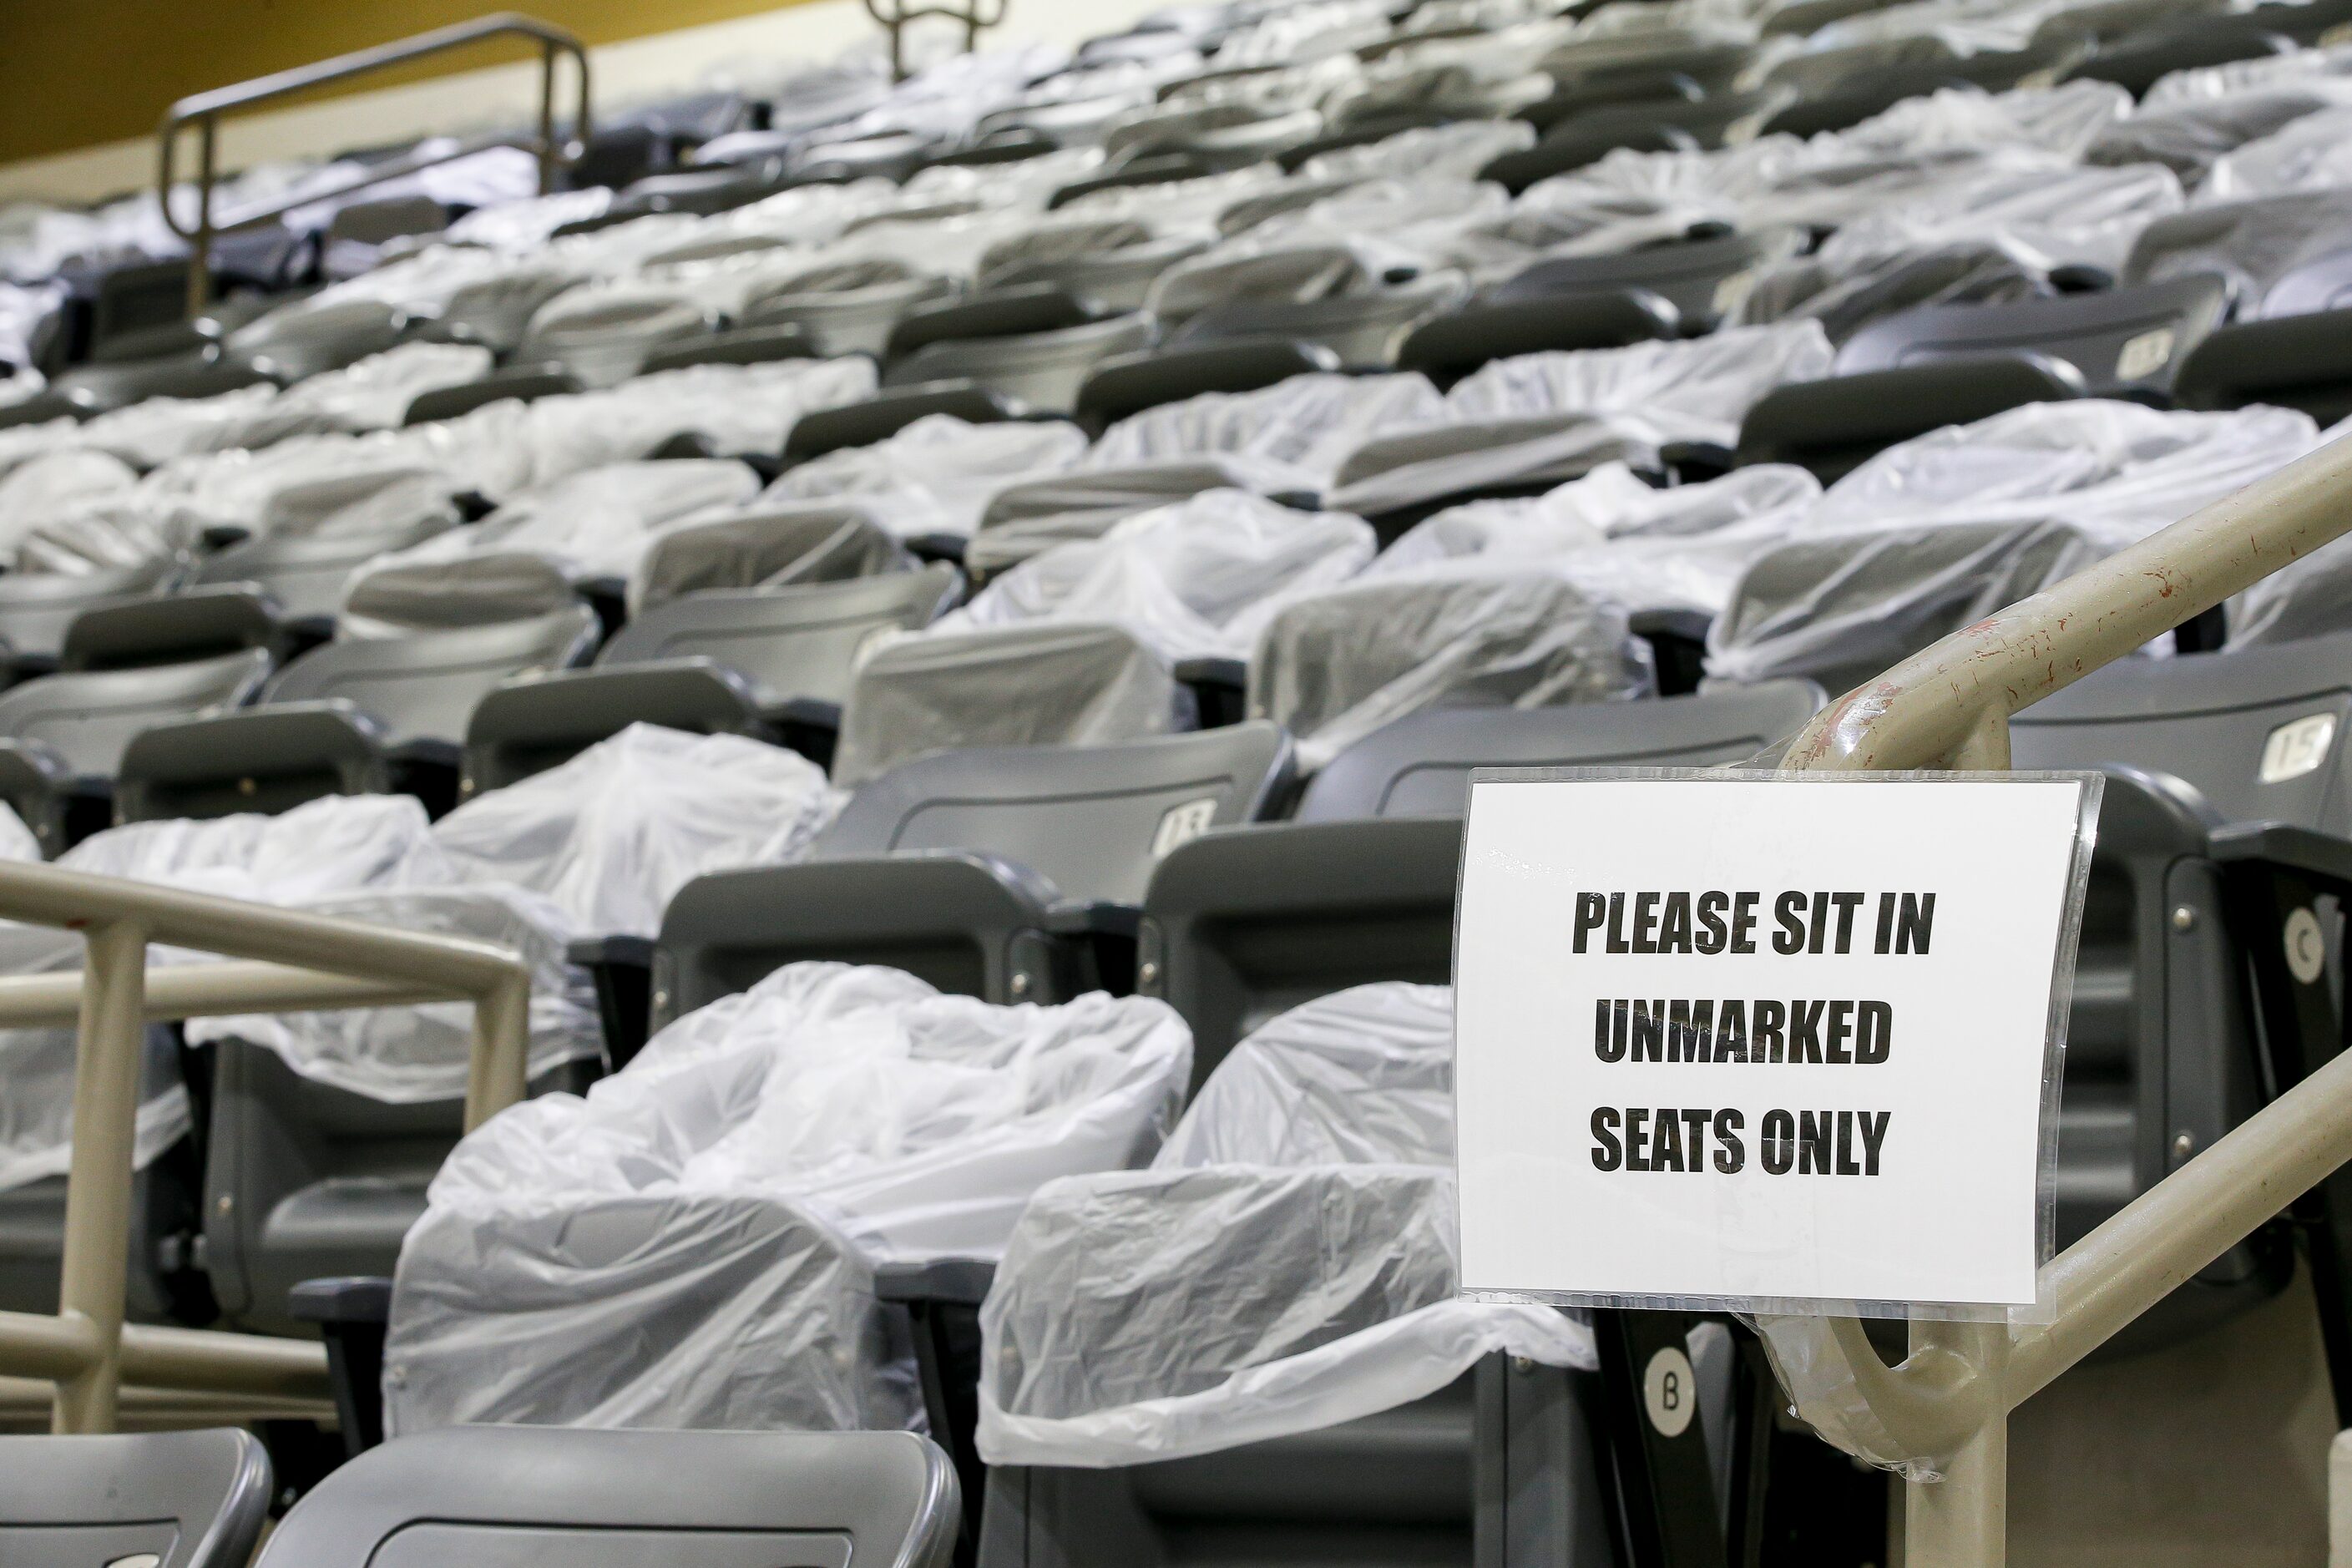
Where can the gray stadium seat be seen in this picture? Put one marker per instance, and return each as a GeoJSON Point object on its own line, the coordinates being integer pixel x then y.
{"type": "Point", "coordinates": [499, 1497]}
{"type": "Point", "coordinates": [157, 1499]}
{"type": "Point", "coordinates": [36, 607]}
{"type": "Point", "coordinates": [771, 662]}
{"type": "Point", "coordinates": [353, 717]}
{"type": "Point", "coordinates": [305, 575]}
{"type": "Point", "coordinates": [65, 735]}
{"type": "Point", "coordinates": [1687, 274]}
{"type": "Point", "coordinates": [1010, 875]}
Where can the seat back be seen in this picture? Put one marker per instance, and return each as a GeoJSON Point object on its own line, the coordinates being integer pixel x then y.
{"type": "Point", "coordinates": [800, 642]}
{"type": "Point", "coordinates": [88, 718]}
{"type": "Point", "coordinates": [1040, 824]}
{"type": "Point", "coordinates": [1687, 274]}
{"type": "Point", "coordinates": [878, 418]}
{"type": "Point", "coordinates": [1420, 765]}
{"type": "Point", "coordinates": [305, 576]}
{"type": "Point", "coordinates": [1128, 383]}
{"type": "Point", "coordinates": [165, 1499]}
{"type": "Point", "coordinates": [2121, 342]}
{"type": "Point", "coordinates": [1448, 347]}
{"type": "Point", "coordinates": [36, 607]}
{"type": "Point", "coordinates": [202, 622]}
{"type": "Point", "coordinates": [424, 684]}
{"type": "Point", "coordinates": [500, 1497]}
{"type": "Point", "coordinates": [2263, 733]}
{"type": "Point", "coordinates": [1043, 370]}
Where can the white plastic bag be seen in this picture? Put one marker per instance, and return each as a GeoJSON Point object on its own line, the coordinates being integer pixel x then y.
{"type": "Point", "coordinates": [612, 834]}
{"type": "Point", "coordinates": [1288, 1263]}
{"type": "Point", "coordinates": [938, 473]}
{"type": "Point", "coordinates": [691, 1245]}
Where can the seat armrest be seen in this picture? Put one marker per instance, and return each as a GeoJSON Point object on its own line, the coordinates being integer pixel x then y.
{"type": "Point", "coordinates": [353, 1299]}
{"type": "Point", "coordinates": [1220, 689]}
{"type": "Point", "coordinates": [1695, 460]}
{"type": "Point", "coordinates": [950, 1282]}
{"type": "Point", "coordinates": [38, 783]}
{"type": "Point", "coordinates": [1099, 919]}
{"type": "Point", "coordinates": [930, 547]}
{"type": "Point", "coordinates": [352, 1314]}
{"type": "Point", "coordinates": [2321, 856]}
{"type": "Point", "coordinates": [622, 969]}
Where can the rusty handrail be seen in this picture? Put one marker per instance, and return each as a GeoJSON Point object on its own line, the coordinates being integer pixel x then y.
{"type": "Point", "coordinates": [1949, 707]}
{"type": "Point", "coordinates": [203, 110]}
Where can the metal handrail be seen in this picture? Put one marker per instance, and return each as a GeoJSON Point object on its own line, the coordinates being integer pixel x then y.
{"type": "Point", "coordinates": [894, 21]}
{"type": "Point", "coordinates": [1949, 708]}
{"type": "Point", "coordinates": [281, 960]}
{"type": "Point", "coordinates": [203, 110]}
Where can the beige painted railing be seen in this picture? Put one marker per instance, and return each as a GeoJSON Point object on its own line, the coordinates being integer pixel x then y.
{"type": "Point", "coordinates": [1949, 708]}
{"type": "Point", "coordinates": [283, 960]}
{"type": "Point", "coordinates": [203, 110]}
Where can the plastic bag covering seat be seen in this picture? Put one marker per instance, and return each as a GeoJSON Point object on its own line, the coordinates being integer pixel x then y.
{"type": "Point", "coordinates": [725, 1196]}
{"type": "Point", "coordinates": [1539, 418]}
{"type": "Point", "coordinates": [935, 475]}
{"type": "Point", "coordinates": [2125, 340]}
{"type": "Point", "coordinates": [842, 316]}
{"type": "Point", "coordinates": [328, 848]}
{"type": "Point", "coordinates": [2272, 248]}
{"type": "Point", "coordinates": [304, 576]}
{"type": "Point", "coordinates": [1839, 610]}
{"type": "Point", "coordinates": [1044, 369]}
{"type": "Point", "coordinates": [36, 607]}
{"type": "Point", "coordinates": [988, 873]}
{"type": "Point", "coordinates": [1110, 261]}
{"type": "Point", "coordinates": [695, 1500]}
{"type": "Point", "coordinates": [789, 545]}
{"type": "Point", "coordinates": [602, 333]}
{"type": "Point", "coordinates": [612, 834]}
{"type": "Point", "coordinates": [303, 339]}
{"type": "Point", "coordinates": [523, 558]}
{"type": "Point", "coordinates": [1287, 1263]}
{"type": "Point", "coordinates": [1077, 645]}
{"type": "Point", "coordinates": [1334, 667]}
{"type": "Point", "coordinates": [175, 1500]}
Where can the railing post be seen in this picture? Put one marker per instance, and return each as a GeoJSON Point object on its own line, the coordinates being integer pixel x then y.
{"type": "Point", "coordinates": [499, 1073]}
{"type": "Point", "coordinates": [108, 1054]}
{"type": "Point", "coordinates": [1962, 1521]}
{"type": "Point", "coordinates": [200, 249]}
{"type": "Point", "coordinates": [547, 119]}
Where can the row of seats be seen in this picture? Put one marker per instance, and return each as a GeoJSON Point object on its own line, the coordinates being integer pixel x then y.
{"type": "Point", "coordinates": [952, 632]}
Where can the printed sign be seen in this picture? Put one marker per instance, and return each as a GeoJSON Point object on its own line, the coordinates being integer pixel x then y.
{"type": "Point", "coordinates": [1754, 1040]}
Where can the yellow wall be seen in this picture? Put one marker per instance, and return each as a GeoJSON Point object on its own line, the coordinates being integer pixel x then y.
{"type": "Point", "coordinates": [77, 72]}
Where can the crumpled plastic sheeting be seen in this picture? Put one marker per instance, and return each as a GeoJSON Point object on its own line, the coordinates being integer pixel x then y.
{"type": "Point", "coordinates": [1847, 294]}
{"type": "Point", "coordinates": [740, 408]}
{"type": "Point", "coordinates": [1840, 609]}
{"type": "Point", "coordinates": [1816, 1374]}
{"type": "Point", "coordinates": [406, 1055]}
{"type": "Point", "coordinates": [155, 430]}
{"type": "Point", "coordinates": [1619, 539]}
{"type": "Point", "coordinates": [1553, 415]}
{"type": "Point", "coordinates": [1054, 683]}
{"type": "Point", "coordinates": [314, 486]}
{"type": "Point", "coordinates": [1027, 519]}
{"type": "Point", "coordinates": [1193, 580]}
{"type": "Point", "coordinates": [1288, 1263]}
{"type": "Point", "coordinates": [937, 474]}
{"type": "Point", "coordinates": [2188, 135]}
{"type": "Point", "coordinates": [2310, 598]}
{"type": "Point", "coordinates": [325, 847]}
{"type": "Point", "coordinates": [1453, 152]}
{"type": "Point", "coordinates": [35, 491]}
{"type": "Point", "coordinates": [2312, 152]}
{"type": "Point", "coordinates": [2118, 471]}
{"type": "Point", "coordinates": [1301, 429]}
{"type": "Point", "coordinates": [612, 834]}
{"type": "Point", "coordinates": [696, 1239]}
{"type": "Point", "coordinates": [2253, 243]}
{"type": "Point", "coordinates": [2235, 78]}
{"type": "Point", "coordinates": [2088, 217]}
{"type": "Point", "coordinates": [766, 545]}
{"type": "Point", "coordinates": [594, 524]}
{"type": "Point", "coordinates": [372, 394]}
{"type": "Point", "coordinates": [1334, 668]}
